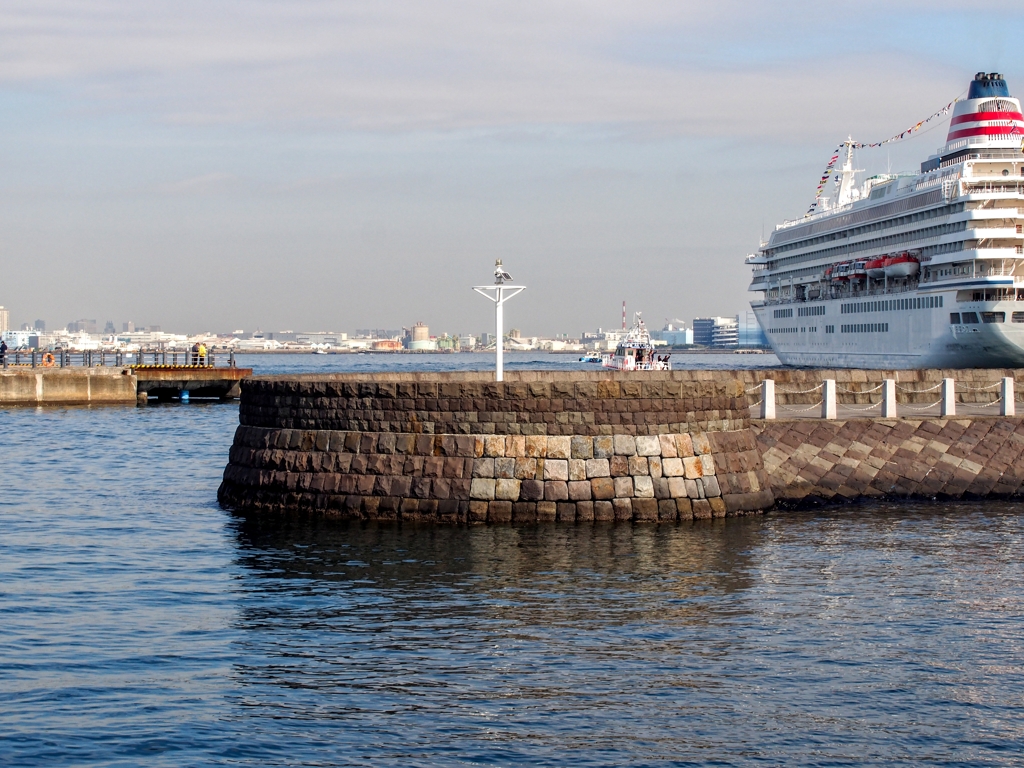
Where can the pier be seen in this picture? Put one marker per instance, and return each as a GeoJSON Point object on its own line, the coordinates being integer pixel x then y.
{"type": "Point", "coordinates": [87, 378]}
{"type": "Point", "coordinates": [600, 446]}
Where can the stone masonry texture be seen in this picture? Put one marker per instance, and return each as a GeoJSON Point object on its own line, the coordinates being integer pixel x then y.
{"type": "Point", "coordinates": [461, 448]}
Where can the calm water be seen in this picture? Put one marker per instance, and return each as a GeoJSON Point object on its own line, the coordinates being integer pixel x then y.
{"type": "Point", "coordinates": [142, 625]}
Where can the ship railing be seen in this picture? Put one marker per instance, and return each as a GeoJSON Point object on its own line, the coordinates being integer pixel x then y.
{"type": "Point", "coordinates": [831, 399]}
{"type": "Point", "coordinates": [101, 358]}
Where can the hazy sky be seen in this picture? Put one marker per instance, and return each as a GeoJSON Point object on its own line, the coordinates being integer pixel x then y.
{"type": "Point", "coordinates": [298, 164]}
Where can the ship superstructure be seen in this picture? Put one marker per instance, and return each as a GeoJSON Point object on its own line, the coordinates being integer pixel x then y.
{"type": "Point", "coordinates": [909, 270]}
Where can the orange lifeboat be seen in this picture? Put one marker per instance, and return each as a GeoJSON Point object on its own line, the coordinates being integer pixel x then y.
{"type": "Point", "coordinates": [901, 265]}
{"type": "Point", "coordinates": [875, 268]}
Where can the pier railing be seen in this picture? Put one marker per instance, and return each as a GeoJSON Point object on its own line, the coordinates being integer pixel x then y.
{"type": "Point", "coordinates": [885, 400]}
{"type": "Point", "coordinates": [148, 358]}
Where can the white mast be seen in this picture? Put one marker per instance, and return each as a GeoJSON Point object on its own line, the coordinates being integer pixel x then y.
{"type": "Point", "coordinates": [499, 293]}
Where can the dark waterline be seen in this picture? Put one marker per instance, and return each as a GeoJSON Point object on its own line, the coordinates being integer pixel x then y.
{"type": "Point", "coordinates": [142, 625]}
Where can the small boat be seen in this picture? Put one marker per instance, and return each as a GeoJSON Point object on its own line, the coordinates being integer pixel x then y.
{"type": "Point", "coordinates": [875, 268]}
{"type": "Point", "coordinates": [591, 358]}
{"type": "Point", "coordinates": [901, 265]}
{"type": "Point", "coordinates": [858, 270]}
{"type": "Point", "coordinates": [841, 271]}
{"type": "Point", "coordinates": [636, 352]}
{"type": "Point", "coordinates": [319, 351]}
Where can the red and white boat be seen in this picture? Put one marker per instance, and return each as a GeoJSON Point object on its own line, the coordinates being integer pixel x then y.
{"type": "Point", "coordinates": [901, 265]}
{"type": "Point", "coordinates": [636, 352]}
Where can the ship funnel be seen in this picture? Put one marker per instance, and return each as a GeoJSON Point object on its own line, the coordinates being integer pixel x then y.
{"type": "Point", "coordinates": [988, 117]}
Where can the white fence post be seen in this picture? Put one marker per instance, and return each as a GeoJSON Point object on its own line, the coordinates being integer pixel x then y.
{"type": "Point", "coordinates": [1007, 405]}
{"type": "Point", "coordinates": [948, 398]}
{"type": "Point", "coordinates": [828, 399]}
{"type": "Point", "coordinates": [768, 399]}
{"type": "Point", "coordinates": [889, 399]}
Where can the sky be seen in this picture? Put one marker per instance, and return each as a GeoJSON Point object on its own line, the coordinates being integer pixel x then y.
{"type": "Point", "coordinates": [310, 165]}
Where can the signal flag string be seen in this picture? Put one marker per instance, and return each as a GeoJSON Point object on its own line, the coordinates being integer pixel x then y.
{"type": "Point", "coordinates": [830, 168]}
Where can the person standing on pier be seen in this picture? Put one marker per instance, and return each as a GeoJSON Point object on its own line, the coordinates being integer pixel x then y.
{"type": "Point", "coordinates": [3, 352]}
{"type": "Point", "coordinates": [195, 353]}
{"type": "Point", "coordinates": [202, 353]}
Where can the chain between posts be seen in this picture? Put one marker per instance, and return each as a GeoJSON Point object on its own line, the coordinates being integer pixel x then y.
{"type": "Point", "coordinates": [801, 392]}
{"type": "Point", "coordinates": [919, 391]}
{"type": "Point", "coordinates": [923, 407]}
{"type": "Point", "coordinates": [858, 392]}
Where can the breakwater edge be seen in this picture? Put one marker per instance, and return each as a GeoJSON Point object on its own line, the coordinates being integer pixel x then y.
{"type": "Point", "coordinates": [591, 446]}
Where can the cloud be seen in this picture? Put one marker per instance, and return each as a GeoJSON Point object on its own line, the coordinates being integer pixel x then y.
{"type": "Point", "coordinates": [698, 68]}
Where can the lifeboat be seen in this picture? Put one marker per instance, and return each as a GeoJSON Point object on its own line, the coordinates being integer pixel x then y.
{"type": "Point", "coordinates": [857, 270]}
{"type": "Point", "coordinates": [841, 271]}
{"type": "Point", "coordinates": [901, 265]}
{"type": "Point", "coordinates": [875, 268]}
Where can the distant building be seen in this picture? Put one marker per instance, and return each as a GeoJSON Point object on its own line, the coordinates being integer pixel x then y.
{"type": "Point", "coordinates": [751, 335]}
{"type": "Point", "coordinates": [82, 326]}
{"type": "Point", "coordinates": [5, 320]}
{"type": "Point", "coordinates": [716, 332]}
{"type": "Point", "coordinates": [109, 328]}
{"type": "Point", "coordinates": [674, 334]}
{"type": "Point", "coordinates": [128, 327]}
{"type": "Point", "coordinates": [40, 326]}
{"type": "Point", "coordinates": [418, 338]}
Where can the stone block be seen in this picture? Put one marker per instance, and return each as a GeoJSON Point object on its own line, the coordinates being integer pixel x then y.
{"type": "Point", "coordinates": [579, 490]}
{"type": "Point", "coordinates": [623, 509]}
{"type": "Point", "coordinates": [525, 469]}
{"type": "Point", "coordinates": [618, 466]}
{"type": "Point", "coordinates": [643, 487]}
{"type": "Point", "coordinates": [624, 445]}
{"type": "Point", "coordinates": [577, 469]}
{"type": "Point", "coordinates": [536, 446]}
{"type": "Point", "coordinates": [598, 468]}
{"type": "Point", "coordinates": [684, 446]}
{"type": "Point", "coordinates": [546, 511]}
{"type": "Point", "coordinates": [707, 462]}
{"type": "Point", "coordinates": [531, 490]}
{"type": "Point", "coordinates": [661, 489]}
{"type": "Point", "coordinates": [504, 468]}
{"type": "Point", "coordinates": [465, 446]}
{"type": "Point", "coordinates": [584, 511]}
{"type": "Point", "coordinates": [499, 512]}
{"type": "Point", "coordinates": [556, 490]}
{"type": "Point", "coordinates": [602, 488]}
{"type": "Point", "coordinates": [515, 446]}
{"type": "Point", "coordinates": [638, 466]}
{"type": "Point", "coordinates": [701, 444]}
{"type": "Point", "coordinates": [556, 469]}
{"type": "Point", "coordinates": [672, 467]}
{"type": "Point", "coordinates": [677, 487]}
{"type": "Point", "coordinates": [604, 511]}
{"type": "Point", "coordinates": [711, 487]}
{"type": "Point", "coordinates": [667, 511]}
{"type": "Point", "coordinates": [322, 440]}
{"type": "Point", "coordinates": [685, 507]}
{"type": "Point", "coordinates": [565, 512]}
{"type": "Point", "coordinates": [645, 510]}
{"type": "Point", "coordinates": [482, 488]}
{"type": "Point", "coordinates": [648, 445]}
{"type": "Point", "coordinates": [559, 447]}
{"type": "Point", "coordinates": [668, 446]}
{"type": "Point", "coordinates": [623, 487]}
{"type": "Point", "coordinates": [524, 512]}
{"type": "Point", "coordinates": [582, 447]}
{"type": "Point", "coordinates": [494, 445]}
{"type": "Point", "coordinates": [483, 467]}
{"type": "Point", "coordinates": [717, 507]}
{"type": "Point", "coordinates": [694, 490]}
{"type": "Point", "coordinates": [701, 509]}
{"type": "Point", "coordinates": [506, 489]}
{"type": "Point", "coordinates": [604, 447]}
{"type": "Point", "coordinates": [654, 466]}
{"type": "Point", "coordinates": [693, 467]}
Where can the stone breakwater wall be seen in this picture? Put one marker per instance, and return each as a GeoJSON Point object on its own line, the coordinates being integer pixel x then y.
{"type": "Point", "coordinates": [461, 448]}
{"type": "Point", "coordinates": [813, 462]}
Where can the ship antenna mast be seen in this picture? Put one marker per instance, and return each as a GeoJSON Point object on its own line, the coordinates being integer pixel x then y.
{"type": "Point", "coordinates": [847, 172]}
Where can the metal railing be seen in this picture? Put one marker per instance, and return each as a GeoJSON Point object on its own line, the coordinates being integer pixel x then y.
{"type": "Point", "coordinates": [149, 358]}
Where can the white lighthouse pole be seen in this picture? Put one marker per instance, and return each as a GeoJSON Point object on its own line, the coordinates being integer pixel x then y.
{"type": "Point", "coordinates": [499, 293]}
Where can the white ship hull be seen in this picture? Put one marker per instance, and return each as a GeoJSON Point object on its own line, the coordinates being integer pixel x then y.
{"type": "Point", "coordinates": [899, 338]}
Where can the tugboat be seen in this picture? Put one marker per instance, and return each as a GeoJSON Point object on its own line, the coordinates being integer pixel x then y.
{"type": "Point", "coordinates": [635, 352]}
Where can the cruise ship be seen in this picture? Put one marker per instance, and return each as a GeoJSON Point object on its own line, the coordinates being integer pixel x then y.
{"type": "Point", "coordinates": [909, 270]}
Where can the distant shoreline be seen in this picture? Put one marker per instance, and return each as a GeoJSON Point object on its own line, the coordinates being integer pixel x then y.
{"type": "Point", "coordinates": [668, 350]}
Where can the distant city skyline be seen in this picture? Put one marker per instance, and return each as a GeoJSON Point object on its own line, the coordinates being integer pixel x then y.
{"type": "Point", "coordinates": [333, 165]}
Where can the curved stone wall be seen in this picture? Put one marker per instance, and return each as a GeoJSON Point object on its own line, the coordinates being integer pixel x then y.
{"type": "Point", "coordinates": [461, 448]}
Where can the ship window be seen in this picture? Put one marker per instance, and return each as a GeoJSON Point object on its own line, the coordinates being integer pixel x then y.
{"type": "Point", "coordinates": [954, 318]}
{"type": "Point", "coordinates": [993, 317]}
{"type": "Point", "coordinates": [1018, 317]}
{"type": "Point", "coordinates": [970, 317]}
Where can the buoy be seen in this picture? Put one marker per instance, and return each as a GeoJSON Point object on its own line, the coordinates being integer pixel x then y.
{"type": "Point", "coordinates": [184, 395]}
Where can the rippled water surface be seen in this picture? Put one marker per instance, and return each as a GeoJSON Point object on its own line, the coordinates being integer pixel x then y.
{"type": "Point", "coordinates": [142, 625]}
